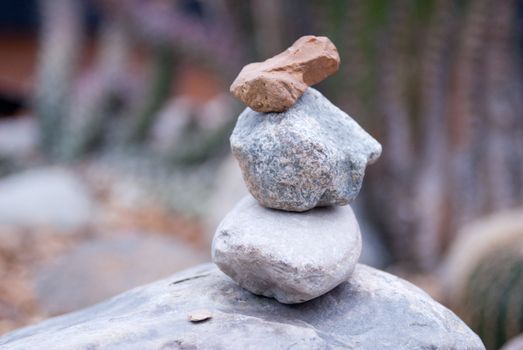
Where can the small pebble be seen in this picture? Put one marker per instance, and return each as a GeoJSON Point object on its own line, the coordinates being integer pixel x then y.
{"type": "Point", "coordinates": [199, 315]}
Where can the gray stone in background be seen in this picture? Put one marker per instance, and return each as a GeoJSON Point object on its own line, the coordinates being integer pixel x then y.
{"type": "Point", "coordinates": [18, 137]}
{"type": "Point", "coordinates": [228, 190]}
{"type": "Point", "coordinates": [45, 196]}
{"type": "Point", "coordinates": [100, 269]}
{"type": "Point", "coordinates": [374, 310]}
{"type": "Point", "coordinates": [514, 344]}
{"type": "Point", "coordinates": [375, 252]}
{"type": "Point", "coordinates": [311, 155]}
{"type": "Point", "coordinates": [293, 257]}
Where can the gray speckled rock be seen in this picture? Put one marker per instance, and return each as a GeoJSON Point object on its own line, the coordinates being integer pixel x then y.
{"type": "Point", "coordinates": [311, 155]}
{"type": "Point", "coordinates": [374, 310]}
{"type": "Point", "coordinates": [293, 257]}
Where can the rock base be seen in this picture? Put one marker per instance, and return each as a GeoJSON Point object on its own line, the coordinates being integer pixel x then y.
{"type": "Point", "coordinates": [374, 310]}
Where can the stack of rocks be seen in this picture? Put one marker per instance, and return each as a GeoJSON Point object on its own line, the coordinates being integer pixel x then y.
{"type": "Point", "coordinates": [303, 161]}
{"type": "Point", "coordinates": [293, 241]}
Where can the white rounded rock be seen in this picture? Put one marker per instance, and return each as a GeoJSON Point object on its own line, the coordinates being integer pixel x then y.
{"type": "Point", "coordinates": [293, 257]}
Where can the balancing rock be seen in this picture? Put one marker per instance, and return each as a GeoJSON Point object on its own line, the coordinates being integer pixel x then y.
{"type": "Point", "coordinates": [312, 155]}
{"type": "Point", "coordinates": [275, 84]}
{"type": "Point", "coordinates": [293, 257]}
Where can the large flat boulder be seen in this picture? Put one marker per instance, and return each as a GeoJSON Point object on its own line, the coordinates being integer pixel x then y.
{"type": "Point", "coordinates": [375, 310]}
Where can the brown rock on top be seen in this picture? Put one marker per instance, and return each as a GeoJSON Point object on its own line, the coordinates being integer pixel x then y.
{"type": "Point", "coordinates": [275, 84]}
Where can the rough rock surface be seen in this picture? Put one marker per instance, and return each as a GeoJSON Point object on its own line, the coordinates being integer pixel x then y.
{"type": "Point", "coordinates": [103, 268]}
{"type": "Point", "coordinates": [275, 84]}
{"type": "Point", "coordinates": [293, 257]}
{"type": "Point", "coordinates": [311, 155]}
{"type": "Point", "coordinates": [375, 310]}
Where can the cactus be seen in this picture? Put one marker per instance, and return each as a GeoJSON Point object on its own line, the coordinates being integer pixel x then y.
{"type": "Point", "coordinates": [157, 91]}
{"type": "Point", "coordinates": [198, 145]}
{"type": "Point", "coordinates": [492, 301]}
{"type": "Point", "coordinates": [483, 276]}
{"type": "Point", "coordinates": [60, 38]}
{"type": "Point", "coordinates": [98, 92]}
{"type": "Point", "coordinates": [440, 72]}
{"type": "Point", "coordinates": [73, 113]}
{"type": "Point", "coordinates": [438, 82]}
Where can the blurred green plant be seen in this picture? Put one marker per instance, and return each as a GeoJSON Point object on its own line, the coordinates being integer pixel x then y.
{"type": "Point", "coordinates": [492, 301]}
{"type": "Point", "coordinates": [156, 93]}
{"type": "Point", "coordinates": [79, 115]}
{"type": "Point", "coordinates": [60, 42]}
{"type": "Point", "coordinates": [437, 82]}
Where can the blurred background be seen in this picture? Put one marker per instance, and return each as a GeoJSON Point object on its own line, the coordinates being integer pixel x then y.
{"type": "Point", "coordinates": [114, 158]}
